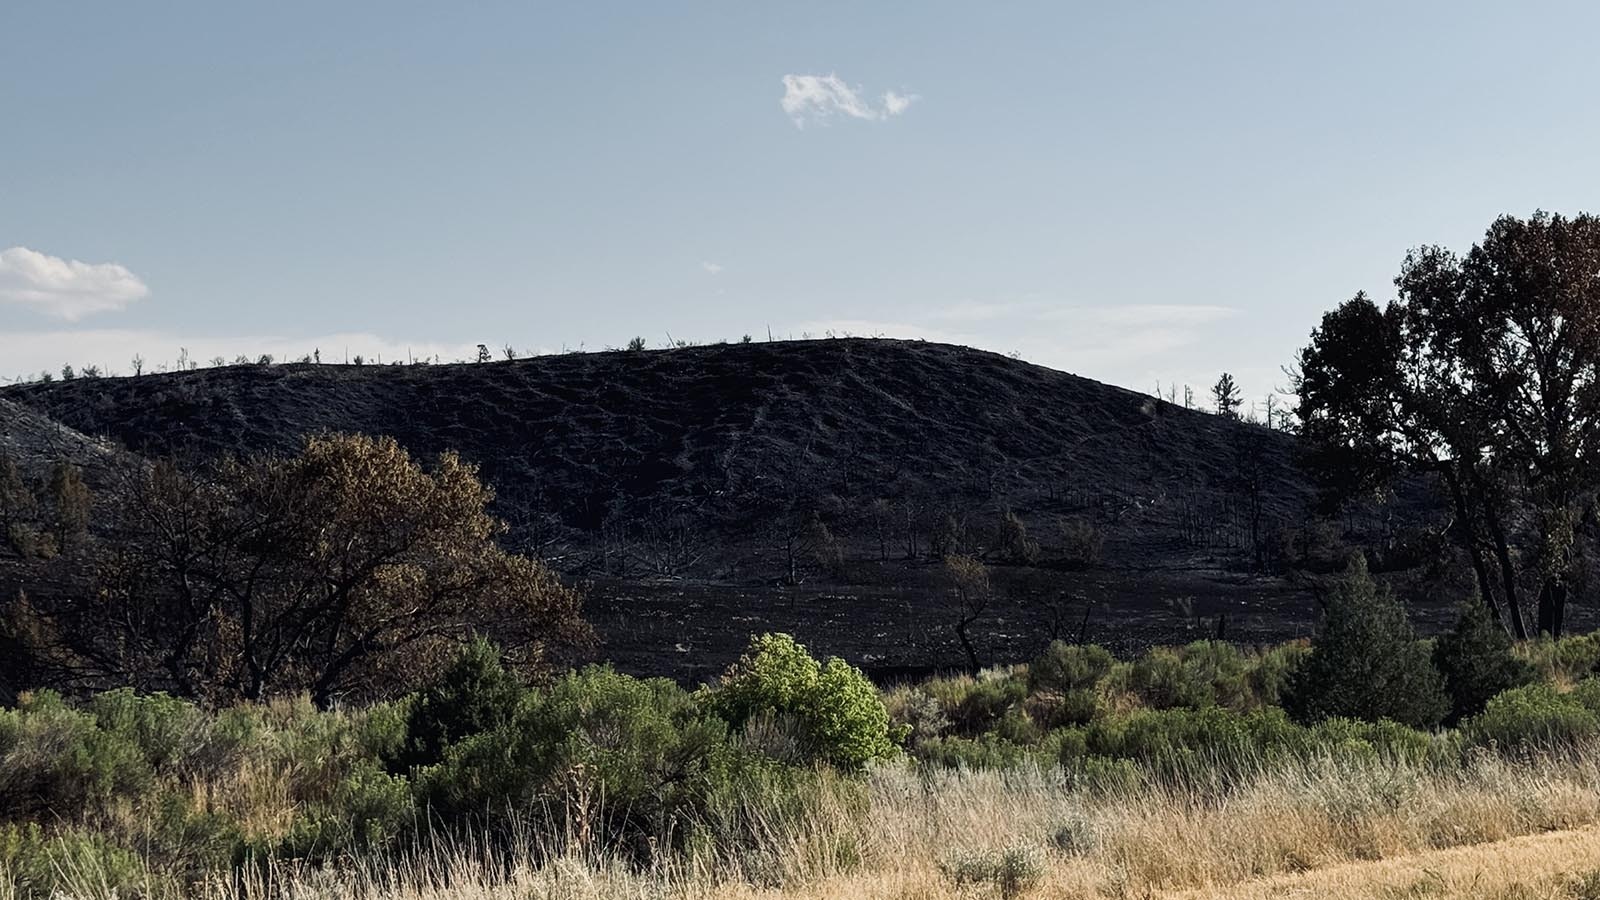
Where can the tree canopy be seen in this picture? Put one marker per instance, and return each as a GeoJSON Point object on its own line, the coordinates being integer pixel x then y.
{"type": "Point", "coordinates": [1484, 372]}
{"type": "Point", "coordinates": [347, 569]}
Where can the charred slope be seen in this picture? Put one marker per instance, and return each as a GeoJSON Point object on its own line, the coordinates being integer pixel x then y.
{"type": "Point", "coordinates": [581, 434]}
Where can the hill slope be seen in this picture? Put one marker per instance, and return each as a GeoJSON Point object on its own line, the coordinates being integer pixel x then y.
{"type": "Point", "coordinates": [726, 440]}
{"type": "Point", "coordinates": [578, 430]}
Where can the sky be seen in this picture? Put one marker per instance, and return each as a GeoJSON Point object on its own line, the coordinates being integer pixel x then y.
{"type": "Point", "coordinates": [1134, 192]}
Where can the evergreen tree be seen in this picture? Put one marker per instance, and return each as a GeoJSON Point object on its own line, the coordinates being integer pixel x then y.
{"type": "Point", "coordinates": [1476, 660]}
{"type": "Point", "coordinates": [1225, 393]}
{"type": "Point", "coordinates": [475, 694]}
{"type": "Point", "coordinates": [1366, 661]}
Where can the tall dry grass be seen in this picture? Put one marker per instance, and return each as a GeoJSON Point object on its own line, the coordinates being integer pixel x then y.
{"type": "Point", "coordinates": [1315, 827]}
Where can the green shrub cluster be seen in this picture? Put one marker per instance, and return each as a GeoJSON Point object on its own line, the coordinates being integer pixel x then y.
{"type": "Point", "coordinates": [1537, 716]}
{"type": "Point", "coordinates": [124, 782]}
{"type": "Point", "coordinates": [147, 793]}
{"type": "Point", "coordinates": [1366, 662]}
{"type": "Point", "coordinates": [83, 787]}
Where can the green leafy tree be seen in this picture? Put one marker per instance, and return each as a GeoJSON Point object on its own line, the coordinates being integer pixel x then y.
{"type": "Point", "coordinates": [1477, 662]}
{"type": "Point", "coordinates": [1366, 662]}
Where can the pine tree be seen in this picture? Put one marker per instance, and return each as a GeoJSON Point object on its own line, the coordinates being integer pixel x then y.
{"type": "Point", "coordinates": [1476, 660]}
{"type": "Point", "coordinates": [1366, 661]}
{"type": "Point", "coordinates": [475, 694]}
{"type": "Point", "coordinates": [1225, 393]}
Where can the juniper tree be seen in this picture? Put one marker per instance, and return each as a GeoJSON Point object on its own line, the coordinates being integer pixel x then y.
{"type": "Point", "coordinates": [1476, 659]}
{"type": "Point", "coordinates": [1366, 662]}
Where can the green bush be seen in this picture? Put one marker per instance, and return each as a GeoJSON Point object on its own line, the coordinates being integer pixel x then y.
{"type": "Point", "coordinates": [643, 746]}
{"type": "Point", "coordinates": [1365, 661]}
{"type": "Point", "coordinates": [1533, 716]}
{"type": "Point", "coordinates": [984, 701]}
{"type": "Point", "coordinates": [1067, 667]}
{"type": "Point", "coordinates": [1162, 680]}
{"type": "Point", "coordinates": [915, 713]}
{"type": "Point", "coordinates": [164, 729]}
{"type": "Point", "coordinates": [1052, 710]}
{"type": "Point", "coordinates": [1567, 658]}
{"type": "Point", "coordinates": [366, 808]}
{"type": "Point", "coordinates": [836, 707]}
{"type": "Point", "coordinates": [990, 751]}
{"type": "Point", "coordinates": [54, 760]}
{"type": "Point", "coordinates": [1269, 675]}
{"type": "Point", "coordinates": [473, 695]}
{"type": "Point", "coordinates": [1475, 658]}
{"type": "Point", "coordinates": [40, 866]}
{"type": "Point", "coordinates": [1152, 735]}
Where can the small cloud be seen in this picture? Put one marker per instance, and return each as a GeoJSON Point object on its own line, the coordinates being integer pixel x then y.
{"type": "Point", "coordinates": [712, 268]}
{"type": "Point", "coordinates": [66, 288]}
{"type": "Point", "coordinates": [895, 104]}
{"type": "Point", "coordinates": [818, 98]}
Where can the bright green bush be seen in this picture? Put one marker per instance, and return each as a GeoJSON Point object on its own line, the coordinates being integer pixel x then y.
{"type": "Point", "coordinates": [836, 707]}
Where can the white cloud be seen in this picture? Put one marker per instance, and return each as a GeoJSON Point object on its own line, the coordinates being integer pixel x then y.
{"type": "Point", "coordinates": [66, 288]}
{"type": "Point", "coordinates": [818, 98]}
{"type": "Point", "coordinates": [894, 104]}
{"type": "Point", "coordinates": [712, 268]}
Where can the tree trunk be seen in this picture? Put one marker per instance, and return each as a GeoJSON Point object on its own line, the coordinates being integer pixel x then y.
{"type": "Point", "coordinates": [1480, 568]}
{"type": "Point", "coordinates": [1552, 606]}
{"type": "Point", "coordinates": [1508, 573]}
{"type": "Point", "coordinates": [966, 643]}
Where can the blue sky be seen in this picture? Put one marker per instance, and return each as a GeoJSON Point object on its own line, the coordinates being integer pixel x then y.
{"type": "Point", "coordinates": [1130, 191]}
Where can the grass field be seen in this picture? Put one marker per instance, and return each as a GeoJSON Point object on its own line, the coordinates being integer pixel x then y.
{"type": "Point", "coordinates": [1325, 827]}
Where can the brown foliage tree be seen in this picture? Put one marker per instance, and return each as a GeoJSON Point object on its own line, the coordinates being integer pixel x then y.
{"type": "Point", "coordinates": [346, 570]}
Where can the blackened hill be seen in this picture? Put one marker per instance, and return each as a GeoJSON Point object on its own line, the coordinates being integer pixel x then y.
{"type": "Point", "coordinates": [580, 432]}
{"type": "Point", "coordinates": [709, 464]}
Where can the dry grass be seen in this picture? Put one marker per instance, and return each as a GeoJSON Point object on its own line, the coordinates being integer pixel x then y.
{"type": "Point", "coordinates": [1332, 827]}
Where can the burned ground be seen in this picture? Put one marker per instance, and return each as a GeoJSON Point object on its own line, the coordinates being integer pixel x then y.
{"type": "Point", "coordinates": [668, 481]}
